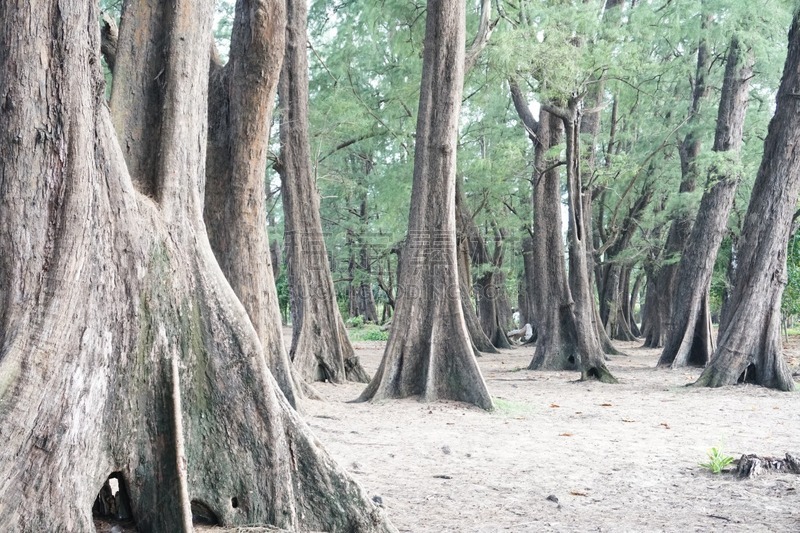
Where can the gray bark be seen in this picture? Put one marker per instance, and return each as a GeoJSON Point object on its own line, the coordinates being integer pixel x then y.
{"type": "Point", "coordinates": [681, 227]}
{"type": "Point", "coordinates": [429, 353]}
{"type": "Point", "coordinates": [321, 349]}
{"type": "Point", "coordinates": [749, 338]}
{"type": "Point", "coordinates": [241, 97]}
{"type": "Point", "coordinates": [122, 346]}
{"type": "Point", "coordinates": [689, 340]}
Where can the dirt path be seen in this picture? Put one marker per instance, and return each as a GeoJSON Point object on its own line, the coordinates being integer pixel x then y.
{"type": "Point", "coordinates": [616, 458]}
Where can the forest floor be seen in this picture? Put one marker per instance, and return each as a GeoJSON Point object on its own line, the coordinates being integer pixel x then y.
{"type": "Point", "coordinates": [562, 455]}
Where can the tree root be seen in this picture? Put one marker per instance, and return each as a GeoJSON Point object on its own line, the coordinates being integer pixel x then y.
{"type": "Point", "coordinates": [750, 466]}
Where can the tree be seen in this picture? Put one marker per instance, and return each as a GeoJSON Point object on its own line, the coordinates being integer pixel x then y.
{"type": "Point", "coordinates": [690, 340]}
{"type": "Point", "coordinates": [241, 97]}
{"type": "Point", "coordinates": [749, 340]}
{"type": "Point", "coordinates": [429, 351]}
{"type": "Point", "coordinates": [321, 349]}
{"type": "Point", "coordinates": [567, 332]}
{"type": "Point", "coordinates": [123, 349]}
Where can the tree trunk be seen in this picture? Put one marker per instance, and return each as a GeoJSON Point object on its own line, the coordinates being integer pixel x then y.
{"type": "Point", "coordinates": [679, 231]}
{"type": "Point", "coordinates": [124, 348]}
{"type": "Point", "coordinates": [429, 352]}
{"type": "Point", "coordinates": [320, 350]}
{"type": "Point", "coordinates": [749, 339]}
{"type": "Point", "coordinates": [587, 321]}
{"type": "Point", "coordinates": [690, 340]}
{"type": "Point", "coordinates": [241, 97]}
{"type": "Point", "coordinates": [464, 227]}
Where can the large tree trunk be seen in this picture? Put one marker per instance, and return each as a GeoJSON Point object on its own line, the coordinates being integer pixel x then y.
{"type": "Point", "coordinates": [241, 97]}
{"type": "Point", "coordinates": [320, 350]}
{"type": "Point", "coordinates": [429, 352]}
{"type": "Point", "coordinates": [690, 340]}
{"type": "Point", "coordinates": [122, 346]}
{"type": "Point", "coordinates": [749, 339]}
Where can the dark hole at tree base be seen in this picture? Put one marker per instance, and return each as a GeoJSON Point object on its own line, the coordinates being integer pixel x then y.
{"type": "Point", "coordinates": [113, 505]}
{"type": "Point", "coordinates": [202, 514]}
{"type": "Point", "coordinates": [749, 374]}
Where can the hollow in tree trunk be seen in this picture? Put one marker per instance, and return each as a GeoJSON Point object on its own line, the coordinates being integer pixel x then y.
{"type": "Point", "coordinates": [321, 349]}
{"type": "Point", "coordinates": [123, 349]}
{"type": "Point", "coordinates": [690, 340]}
{"type": "Point", "coordinates": [429, 353]}
{"type": "Point", "coordinates": [749, 338]}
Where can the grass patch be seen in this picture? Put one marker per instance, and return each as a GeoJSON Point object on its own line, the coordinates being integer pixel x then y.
{"type": "Point", "coordinates": [511, 408]}
{"type": "Point", "coordinates": [368, 332]}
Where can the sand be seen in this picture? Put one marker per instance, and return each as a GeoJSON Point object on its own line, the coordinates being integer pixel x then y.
{"type": "Point", "coordinates": [609, 457]}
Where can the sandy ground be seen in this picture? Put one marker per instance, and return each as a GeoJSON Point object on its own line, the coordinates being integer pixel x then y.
{"type": "Point", "coordinates": [615, 457]}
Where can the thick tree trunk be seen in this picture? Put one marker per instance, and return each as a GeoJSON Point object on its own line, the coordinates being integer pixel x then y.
{"type": "Point", "coordinates": [429, 353]}
{"type": "Point", "coordinates": [241, 97]}
{"type": "Point", "coordinates": [690, 340]}
{"type": "Point", "coordinates": [321, 350]}
{"type": "Point", "coordinates": [122, 346]}
{"type": "Point", "coordinates": [749, 339]}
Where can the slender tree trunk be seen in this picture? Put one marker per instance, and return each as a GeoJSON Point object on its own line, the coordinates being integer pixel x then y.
{"type": "Point", "coordinates": [749, 339]}
{"type": "Point", "coordinates": [124, 348]}
{"type": "Point", "coordinates": [587, 320]}
{"type": "Point", "coordinates": [320, 350]}
{"type": "Point", "coordinates": [681, 227]}
{"type": "Point", "coordinates": [464, 225]}
{"type": "Point", "coordinates": [241, 97]}
{"type": "Point", "coordinates": [690, 340]}
{"type": "Point", "coordinates": [429, 353]}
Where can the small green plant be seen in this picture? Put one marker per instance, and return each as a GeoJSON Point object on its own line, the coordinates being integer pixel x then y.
{"type": "Point", "coordinates": [355, 321]}
{"type": "Point", "coordinates": [717, 460]}
{"type": "Point", "coordinates": [368, 332]}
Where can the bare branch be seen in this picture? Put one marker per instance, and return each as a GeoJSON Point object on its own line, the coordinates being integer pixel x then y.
{"type": "Point", "coordinates": [485, 29]}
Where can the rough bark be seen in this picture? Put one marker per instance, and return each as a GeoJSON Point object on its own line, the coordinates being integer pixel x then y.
{"type": "Point", "coordinates": [749, 338]}
{"type": "Point", "coordinates": [241, 97]}
{"type": "Point", "coordinates": [464, 226]}
{"type": "Point", "coordinates": [321, 350]}
{"type": "Point", "coordinates": [122, 346]}
{"type": "Point", "coordinates": [681, 227]}
{"type": "Point", "coordinates": [587, 323]}
{"type": "Point", "coordinates": [690, 340]}
{"type": "Point", "coordinates": [429, 353]}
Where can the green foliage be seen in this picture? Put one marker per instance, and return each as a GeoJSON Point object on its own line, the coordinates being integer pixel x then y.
{"type": "Point", "coordinates": [282, 284]}
{"type": "Point", "coordinates": [355, 322]}
{"type": "Point", "coordinates": [369, 332]}
{"type": "Point", "coordinates": [790, 304]}
{"type": "Point", "coordinates": [717, 461]}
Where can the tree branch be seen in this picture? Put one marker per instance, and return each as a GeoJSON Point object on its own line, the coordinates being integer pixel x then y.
{"type": "Point", "coordinates": [109, 34]}
{"type": "Point", "coordinates": [485, 29]}
{"type": "Point", "coordinates": [530, 124]}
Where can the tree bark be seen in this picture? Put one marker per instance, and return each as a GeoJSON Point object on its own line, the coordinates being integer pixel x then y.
{"type": "Point", "coordinates": [321, 350]}
{"type": "Point", "coordinates": [122, 346]}
{"type": "Point", "coordinates": [429, 353]}
{"type": "Point", "coordinates": [749, 339]}
{"type": "Point", "coordinates": [690, 339]}
{"type": "Point", "coordinates": [681, 227]}
{"type": "Point", "coordinates": [241, 97]}
{"type": "Point", "coordinates": [587, 321]}
{"type": "Point", "coordinates": [464, 226]}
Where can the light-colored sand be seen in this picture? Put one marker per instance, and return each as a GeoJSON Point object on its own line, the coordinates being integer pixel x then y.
{"type": "Point", "coordinates": [617, 457]}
